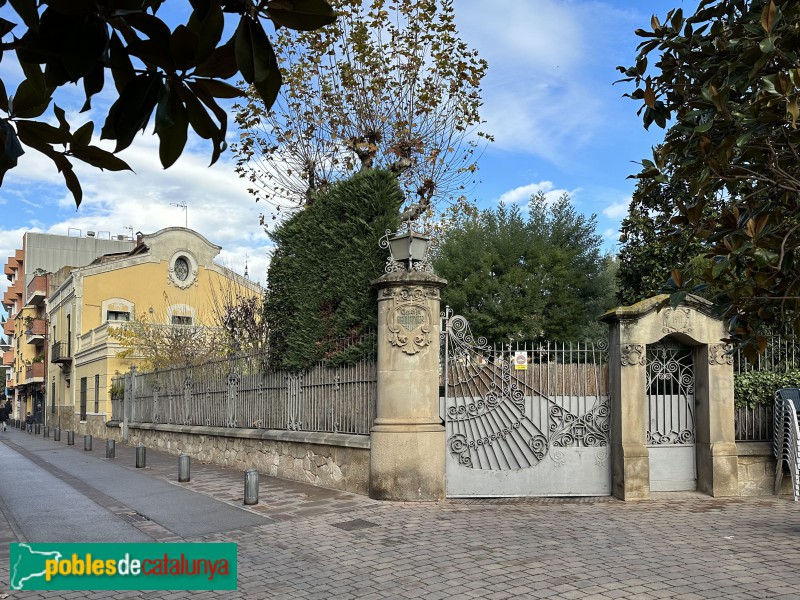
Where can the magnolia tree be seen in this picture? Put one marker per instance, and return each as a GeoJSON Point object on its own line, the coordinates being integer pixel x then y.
{"type": "Point", "coordinates": [726, 81]}
{"type": "Point", "coordinates": [178, 73]}
{"type": "Point", "coordinates": [389, 85]}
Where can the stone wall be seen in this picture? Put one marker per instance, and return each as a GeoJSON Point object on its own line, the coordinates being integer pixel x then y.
{"type": "Point", "coordinates": [757, 470]}
{"type": "Point", "coordinates": [337, 461]}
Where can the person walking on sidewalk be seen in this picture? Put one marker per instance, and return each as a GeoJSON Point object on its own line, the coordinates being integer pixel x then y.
{"type": "Point", "coordinates": [29, 422]}
{"type": "Point", "coordinates": [3, 415]}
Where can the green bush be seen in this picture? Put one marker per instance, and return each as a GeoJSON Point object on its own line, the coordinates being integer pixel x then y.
{"type": "Point", "coordinates": [319, 301]}
{"type": "Point", "coordinates": [759, 387]}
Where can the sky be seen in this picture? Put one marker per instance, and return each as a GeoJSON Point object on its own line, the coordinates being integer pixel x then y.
{"type": "Point", "coordinates": [558, 122]}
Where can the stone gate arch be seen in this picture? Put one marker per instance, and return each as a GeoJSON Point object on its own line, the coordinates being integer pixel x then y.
{"type": "Point", "coordinates": [632, 329]}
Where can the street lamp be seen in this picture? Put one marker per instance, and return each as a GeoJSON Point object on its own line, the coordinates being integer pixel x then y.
{"type": "Point", "coordinates": [408, 250]}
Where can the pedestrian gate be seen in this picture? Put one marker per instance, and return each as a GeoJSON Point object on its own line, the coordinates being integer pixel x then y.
{"type": "Point", "coordinates": [527, 420]}
{"type": "Point", "coordinates": [671, 419]}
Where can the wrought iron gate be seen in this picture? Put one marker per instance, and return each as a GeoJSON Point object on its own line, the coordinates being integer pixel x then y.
{"type": "Point", "coordinates": [535, 429]}
{"type": "Point", "coordinates": [671, 419]}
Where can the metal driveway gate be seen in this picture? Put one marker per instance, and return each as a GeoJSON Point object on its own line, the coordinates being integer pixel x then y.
{"type": "Point", "coordinates": [671, 421]}
{"type": "Point", "coordinates": [535, 429]}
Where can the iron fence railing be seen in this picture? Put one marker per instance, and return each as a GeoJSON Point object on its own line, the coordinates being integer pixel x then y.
{"type": "Point", "coordinates": [243, 392]}
{"type": "Point", "coordinates": [753, 423]}
{"type": "Point", "coordinates": [781, 353]}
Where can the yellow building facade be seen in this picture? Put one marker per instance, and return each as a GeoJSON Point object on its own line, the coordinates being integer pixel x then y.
{"type": "Point", "coordinates": [170, 277]}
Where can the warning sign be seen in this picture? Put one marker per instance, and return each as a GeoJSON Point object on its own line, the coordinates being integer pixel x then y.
{"type": "Point", "coordinates": [520, 361]}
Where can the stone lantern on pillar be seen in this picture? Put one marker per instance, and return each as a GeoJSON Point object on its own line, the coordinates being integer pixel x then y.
{"type": "Point", "coordinates": [407, 456]}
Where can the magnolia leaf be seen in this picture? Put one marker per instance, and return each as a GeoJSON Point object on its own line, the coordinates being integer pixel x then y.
{"type": "Point", "coordinates": [99, 158]}
{"type": "Point", "coordinates": [768, 16]}
{"type": "Point", "coordinates": [302, 15]}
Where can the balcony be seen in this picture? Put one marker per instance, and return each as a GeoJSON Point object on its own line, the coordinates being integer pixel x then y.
{"type": "Point", "coordinates": [60, 353]}
{"type": "Point", "coordinates": [37, 290]}
{"type": "Point", "coordinates": [35, 330]}
{"type": "Point", "coordinates": [8, 327]}
{"type": "Point", "coordinates": [34, 373]}
{"type": "Point", "coordinates": [8, 358]}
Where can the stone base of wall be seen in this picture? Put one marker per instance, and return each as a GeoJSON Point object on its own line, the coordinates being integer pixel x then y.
{"type": "Point", "coordinates": [331, 460]}
{"type": "Point", "coordinates": [757, 470]}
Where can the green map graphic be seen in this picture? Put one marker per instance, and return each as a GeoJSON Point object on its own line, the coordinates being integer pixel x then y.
{"type": "Point", "coordinates": [28, 564]}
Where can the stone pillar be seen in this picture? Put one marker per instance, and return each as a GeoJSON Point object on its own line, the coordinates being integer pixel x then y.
{"type": "Point", "coordinates": [407, 456]}
{"type": "Point", "coordinates": [630, 460]}
{"type": "Point", "coordinates": [717, 458]}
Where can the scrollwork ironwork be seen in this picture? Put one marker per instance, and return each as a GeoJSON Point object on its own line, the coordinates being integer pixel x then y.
{"type": "Point", "coordinates": [670, 394]}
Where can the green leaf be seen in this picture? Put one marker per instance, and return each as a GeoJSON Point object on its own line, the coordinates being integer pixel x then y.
{"type": "Point", "coordinates": [219, 89]}
{"type": "Point", "coordinates": [301, 15]}
{"type": "Point", "coordinates": [3, 97]}
{"type": "Point", "coordinates": [99, 158]}
{"type": "Point", "coordinates": [83, 135]}
{"type": "Point", "coordinates": [31, 132]}
{"type": "Point", "coordinates": [61, 116]}
{"type": "Point", "coordinates": [120, 63]}
{"type": "Point", "coordinates": [12, 149]}
{"type": "Point", "coordinates": [267, 74]}
{"type": "Point", "coordinates": [199, 118]}
{"type": "Point", "coordinates": [28, 11]}
{"type": "Point", "coordinates": [35, 77]}
{"type": "Point", "coordinates": [244, 50]}
{"type": "Point", "coordinates": [207, 23]}
{"type": "Point", "coordinates": [677, 298]}
{"type": "Point", "coordinates": [767, 45]}
{"type": "Point", "coordinates": [132, 110]}
{"type": "Point", "coordinates": [6, 27]}
{"type": "Point", "coordinates": [28, 103]}
{"type": "Point", "coordinates": [183, 47]}
{"type": "Point", "coordinates": [221, 64]}
{"type": "Point", "coordinates": [93, 83]}
{"type": "Point", "coordinates": [172, 125]}
{"type": "Point", "coordinates": [73, 185]}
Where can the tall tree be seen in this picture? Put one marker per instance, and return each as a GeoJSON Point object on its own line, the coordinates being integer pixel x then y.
{"type": "Point", "coordinates": [727, 76]}
{"type": "Point", "coordinates": [318, 292]}
{"type": "Point", "coordinates": [178, 73]}
{"type": "Point", "coordinates": [534, 277]}
{"type": "Point", "coordinates": [651, 246]}
{"type": "Point", "coordinates": [389, 85]}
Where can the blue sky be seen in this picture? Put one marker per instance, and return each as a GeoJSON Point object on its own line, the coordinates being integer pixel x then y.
{"type": "Point", "coordinates": [559, 125]}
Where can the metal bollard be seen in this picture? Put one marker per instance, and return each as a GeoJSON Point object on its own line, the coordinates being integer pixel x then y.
{"type": "Point", "coordinates": [87, 442]}
{"type": "Point", "coordinates": [141, 457]}
{"type": "Point", "coordinates": [111, 448]}
{"type": "Point", "coordinates": [37, 429]}
{"type": "Point", "coordinates": [56, 434]}
{"type": "Point", "coordinates": [70, 438]}
{"type": "Point", "coordinates": [46, 431]}
{"type": "Point", "coordinates": [251, 487]}
{"type": "Point", "coordinates": [184, 468]}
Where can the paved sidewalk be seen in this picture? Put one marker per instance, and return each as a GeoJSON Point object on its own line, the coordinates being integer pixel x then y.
{"type": "Point", "coordinates": [319, 543]}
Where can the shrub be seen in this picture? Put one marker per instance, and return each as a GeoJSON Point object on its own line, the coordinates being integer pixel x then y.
{"type": "Point", "coordinates": [759, 387]}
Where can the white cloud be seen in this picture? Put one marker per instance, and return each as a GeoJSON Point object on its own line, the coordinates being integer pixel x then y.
{"type": "Point", "coordinates": [617, 210]}
{"type": "Point", "coordinates": [219, 206]}
{"type": "Point", "coordinates": [551, 64]}
{"type": "Point", "coordinates": [523, 193]}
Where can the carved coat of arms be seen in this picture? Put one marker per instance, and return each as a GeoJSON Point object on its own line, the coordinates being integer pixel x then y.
{"type": "Point", "coordinates": [409, 321]}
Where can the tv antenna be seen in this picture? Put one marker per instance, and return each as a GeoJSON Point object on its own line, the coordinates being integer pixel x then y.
{"type": "Point", "coordinates": [185, 208]}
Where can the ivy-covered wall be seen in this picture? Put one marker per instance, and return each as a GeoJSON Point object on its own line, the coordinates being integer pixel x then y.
{"type": "Point", "coordinates": [319, 300]}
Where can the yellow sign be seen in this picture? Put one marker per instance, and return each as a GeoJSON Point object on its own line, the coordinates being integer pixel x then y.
{"type": "Point", "coordinates": [520, 361]}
